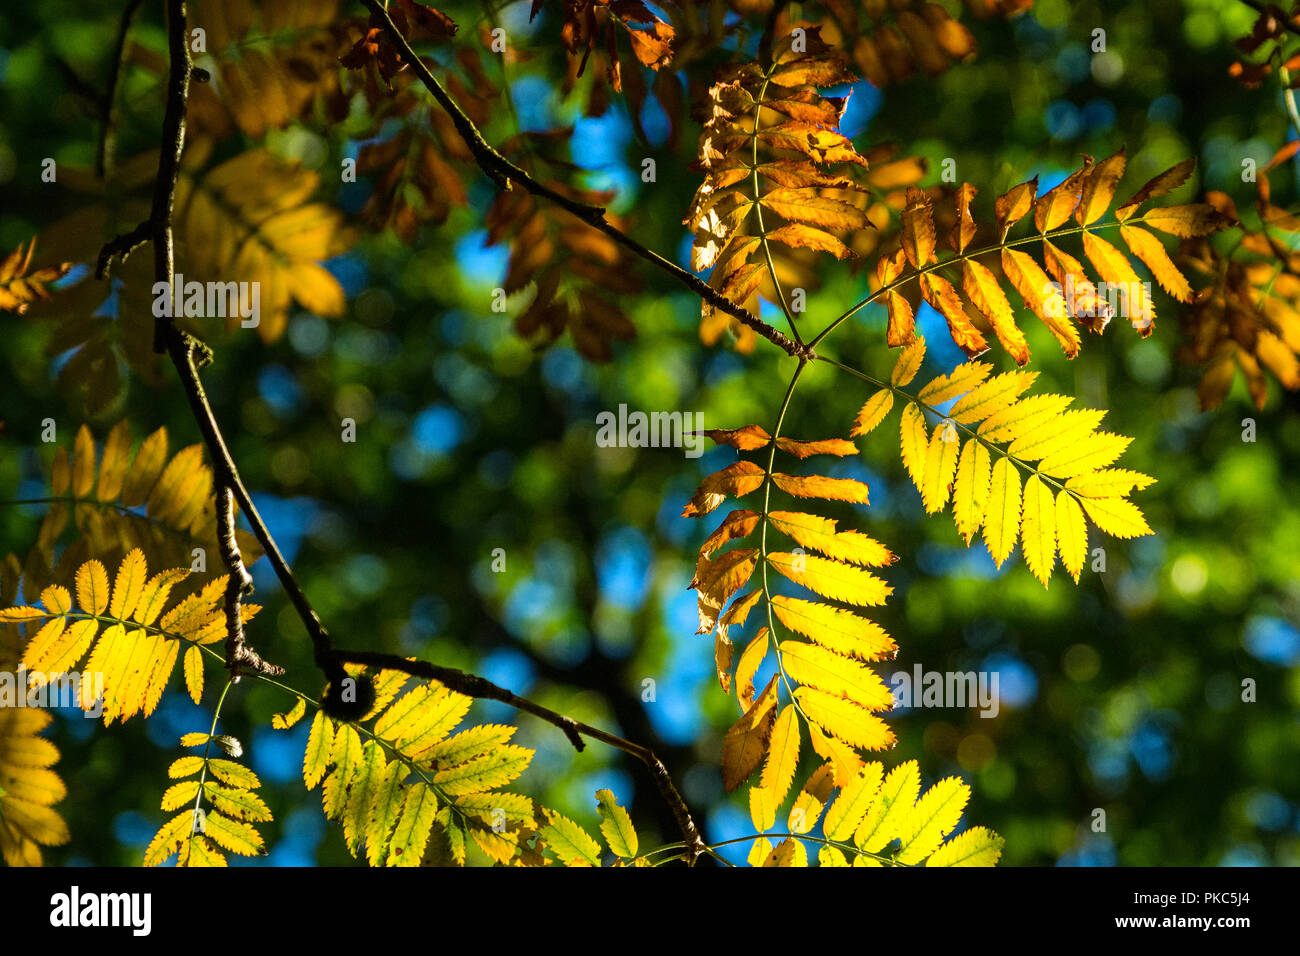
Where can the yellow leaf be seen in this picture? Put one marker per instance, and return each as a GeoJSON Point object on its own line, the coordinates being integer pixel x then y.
{"type": "Point", "coordinates": [832, 579]}
{"type": "Point", "coordinates": [1022, 417]}
{"type": "Point", "coordinates": [762, 808]}
{"type": "Point", "coordinates": [963, 378]}
{"type": "Point", "coordinates": [1158, 185]}
{"type": "Point", "coordinates": [1099, 189]}
{"type": "Point", "coordinates": [1011, 206]}
{"type": "Point", "coordinates": [1071, 534]}
{"type": "Point", "coordinates": [831, 857]}
{"type": "Point", "coordinates": [891, 808]}
{"type": "Point", "coordinates": [1086, 455]}
{"type": "Point", "coordinates": [855, 800]}
{"type": "Point", "coordinates": [1002, 514]}
{"type": "Point", "coordinates": [234, 774]}
{"type": "Point", "coordinates": [977, 846]}
{"type": "Point", "coordinates": [942, 296]}
{"type": "Point", "coordinates": [129, 585]}
{"type": "Point", "coordinates": [940, 466]}
{"type": "Point", "coordinates": [83, 463]}
{"type": "Point", "coordinates": [818, 486]}
{"type": "Point", "coordinates": [964, 229]}
{"type": "Point", "coordinates": [873, 412]}
{"type": "Point", "coordinates": [1039, 529]}
{"type": "Point", "coordinates": [782, 758]}
{"type": "Point", "coordinates": [616, 825]}
{"type": "Point", "coordinates": [1193, 219]}
{"type": "Point", "coordinates": [985, 293]}
{"type": "Point", "coordinates": [1109, 483]}
{"type": "Point", "coordinates": [812, 798]}
{"type": "Point", "coordinates": [1116, 516]}
{"type": "Point", "coordinates": [169, 838]}
{"type": "Point", "coordinates": [1056, 435]}
{"type": "Point", "coordinates": [145, 469]}
{"type": "Point", "coordinates": [411, 831]}
{"type": "Point", "coordinates": [737, 479]}
{"type": "Point", "coordinates": [835, 628]}
{"type": "Point", "coordinates": [1152, 252]}
{"type": "Point", "coordinates": [180, 794]}
{"type": "Point", "coordinates": [813, 531]}
{"type": "Point", "coordinates": [233, 835]}
{"type": "Point", "coordinates": [750, 661]}
{"type": "Point", "coordinates": [1055, 206]}
{"type": "Point", "coordinates": [909, 363]}
{"type": "Point", "coordinates": [991, 397]}
{"type": "Point", "coordinates": [185, 767]}
{"type": "Point", "coordinates": [117, 457]}
{"type": "Point", "coordinates": [1114, 268]}
{"type": "Point", "coordinates": [914, 439]}
{"type": "Point", "coordinates": [842, 718]}
{"type": "Point", "coordinates": [488, 772]}
{"type": "Point", "coordinates": [194, 673]}
{"type": "Point", "coordinates": [320, 742]}
{"type": "Point", "coordinates": [746, 742]}
{"type": "Point", "coordinates": [933, 818]}
{"type": "Point", "coordinates": [60, 473]}
{"type": "Point", "coordinates": [287, 720]}
{"type": "Point", "coordinates": [971, 488]}
{"type": "Point", "coordinates": [1042, 297]}
{"type": "Point", "coordinates": [570, 842]}
{"type": "Point", "coordinates": [918, 228]}
{"type": "Point", "coordinates": [818, 667]}
{"type": "Point", "coordinates": [92, 587]}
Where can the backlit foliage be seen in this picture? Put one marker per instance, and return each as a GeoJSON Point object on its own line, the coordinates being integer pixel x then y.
{"type": "Point", "coordinates": [19, 287]}
{"type": "Point", "coordinates": [1058, 288]}
{"type": "Point", "coordinates": [1248, 317]}
{"type": "Point", "coordinates": [784, 192]}
{"type": "Point", "coordinates": [218, 804]}
{"type": "Point", "coordinates": [408, 791]}
{"type": "Point", "coordinates": [873, 818]}
{"type": "Point", "coordinates": [134, 640]}
{"type": "Point", "coordinates": [774, 159]}
{"type": "Point", "coordinates": [108, 500]}
{"type": "Point", "coordinates": [990, 433]}
{"type": "Point", "coordinates": [29, 787]}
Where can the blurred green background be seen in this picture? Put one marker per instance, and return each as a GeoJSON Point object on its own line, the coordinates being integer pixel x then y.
{"type": "Point", "coordinates": [1123, 693]}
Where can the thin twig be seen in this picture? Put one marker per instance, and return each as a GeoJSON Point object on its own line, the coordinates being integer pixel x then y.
{"type": "Point", "coordinates": [108, 137]}
{"type": "Point", "coordinates": [239, 655]}
{"type": "Point", "coordinates": [504, 173]}
{"type": "Point", "coordinates": [471, 685]}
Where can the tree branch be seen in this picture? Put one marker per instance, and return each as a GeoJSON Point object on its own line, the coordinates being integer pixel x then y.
{"type": "Point", "coordinates": [471, 685]}
{"type": "Point", "coordinates": [504, 173]}
{"type": "Point", "coordinates": [108, 137]}
{"type": "Point", "coordinates": [188, 354]}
